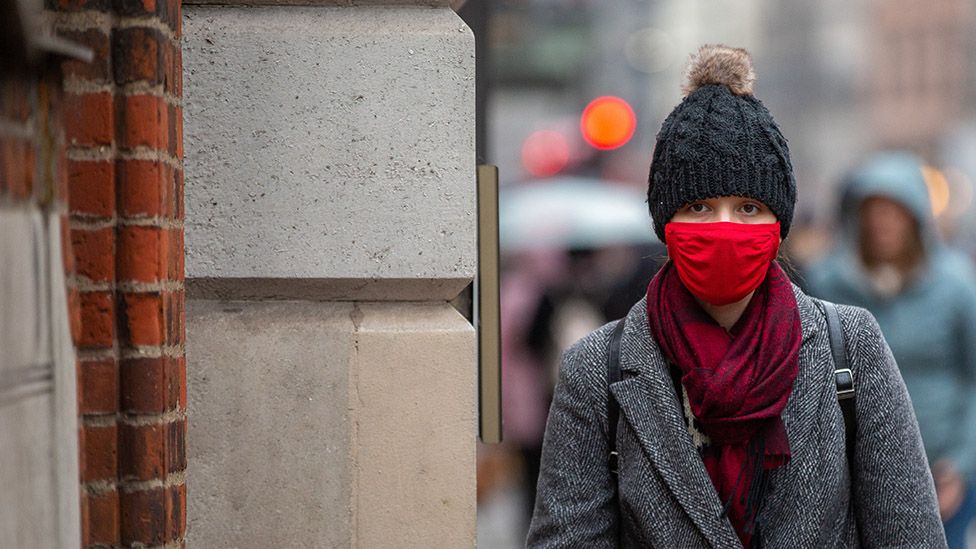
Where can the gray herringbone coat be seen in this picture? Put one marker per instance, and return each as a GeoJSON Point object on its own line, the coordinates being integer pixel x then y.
{"type": "Point", "coordinates": [666, 497]}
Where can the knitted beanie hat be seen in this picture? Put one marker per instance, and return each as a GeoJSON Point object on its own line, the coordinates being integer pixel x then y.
{"type": "Point", "coordinates": [720, 141]}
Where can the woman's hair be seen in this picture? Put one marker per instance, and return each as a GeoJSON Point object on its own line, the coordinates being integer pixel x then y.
{"type": "Point", "coordinates": [912, 252]}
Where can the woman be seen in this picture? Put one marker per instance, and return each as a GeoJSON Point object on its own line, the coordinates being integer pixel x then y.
{"type": "Point", "coordinates": [892, 262]}
{"type": "Point", "coordinates": [751, 452]}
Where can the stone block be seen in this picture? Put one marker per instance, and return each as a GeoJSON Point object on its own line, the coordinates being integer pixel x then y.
{"type": "Point", "coordinates": [415, 422]}
{"type": "Point", "coordinates": [329, 145]}
{"type": "Point", "coordinates": [268, 435]}
{"type": "Point", "coordinates": [330, 425]}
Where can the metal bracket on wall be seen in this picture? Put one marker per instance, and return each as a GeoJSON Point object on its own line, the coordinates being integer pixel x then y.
{"type": "Point", "coordinates": [488, 309]}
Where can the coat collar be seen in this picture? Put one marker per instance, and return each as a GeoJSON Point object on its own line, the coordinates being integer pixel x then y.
{"type": "Point", "coordinates": [649, 405]}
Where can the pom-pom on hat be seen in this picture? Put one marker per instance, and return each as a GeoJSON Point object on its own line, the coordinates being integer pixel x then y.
{"type": "Point", "coordinates": [720, 141]}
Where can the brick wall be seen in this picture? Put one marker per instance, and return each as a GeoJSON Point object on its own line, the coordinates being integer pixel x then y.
{"type": "Point", "coordinates": [123, 136]}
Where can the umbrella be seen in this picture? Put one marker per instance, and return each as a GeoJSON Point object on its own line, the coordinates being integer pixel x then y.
{"type": "Point", "coordinates": [572, 213]}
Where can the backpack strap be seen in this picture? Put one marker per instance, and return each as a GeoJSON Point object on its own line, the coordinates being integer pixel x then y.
{"type": "Point", "coordinates": [844, 378]}
{"type": "Point", "coordinates": [613, 409]}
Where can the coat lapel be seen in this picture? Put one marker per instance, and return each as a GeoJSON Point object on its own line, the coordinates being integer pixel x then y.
{"type": "Point", "coordinates": [649, 405]}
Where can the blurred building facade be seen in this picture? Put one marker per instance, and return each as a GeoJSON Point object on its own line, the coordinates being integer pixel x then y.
{"type": "Point", "coordinates": [921, 78]}
{"type": "Point", "coordinates": [842, 79]}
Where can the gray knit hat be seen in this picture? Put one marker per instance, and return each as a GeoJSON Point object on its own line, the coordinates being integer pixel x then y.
{"type": "Point", "coordinates": [720, 141]}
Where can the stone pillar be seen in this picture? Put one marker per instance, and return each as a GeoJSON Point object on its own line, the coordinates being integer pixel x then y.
{"type": "Point", "coordinates": [330, 217]}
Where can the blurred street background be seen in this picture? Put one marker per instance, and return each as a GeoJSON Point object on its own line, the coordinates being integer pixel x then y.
{"type": "Point", "coordinates": [573, 94]}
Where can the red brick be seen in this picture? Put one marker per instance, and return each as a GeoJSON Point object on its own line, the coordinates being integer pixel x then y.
{"type": "Point", "coordinates": [81, 444]}
{"type": "Point", "coordinates": [95, 253]}
{"type": "Point", "coordinates": [61, 174]}
{"type": "Point", "coordinates": [177, 72]}
{"type": "Point", "coordinates": [85, 520]}
{"type": "Point", "coordinates": [145, 189]}
{"type": "Point", "coordinates": [145, 385]}
{"type": "Point", "coordinates": [79, 388]}
{"type": "Point", "coordinates": [178, 134]}
{"type": "Point", "coordinates": [166, 11]}
{"type": "Point", "coordinates": [99, 387]}
{"type": "Point", "coordinates": [168, 63]}
{"type": "Point", "coordinates": [175, 19]}
{"type": "Point", "coordinates": [103, 518]}
{"type": "Point", "coordinates": [175, 382]}
{"type": "Point", "coordinates": [173, 129]}
{"type": "Point", "coordinates": [142, 253]}
{"type": "Point", "coordinates": [137, 7]}
{"type": "Point", "coordinates": [142, 451]}
{"type": "Point", "coordinates": [16, 168]}
{"type": "Point", "coordinates": [176, 255]}
{"type": "Point", "coordinates": [91, 188]}
{"type": "Point", "coordinates": [25, 188]}
{"type": "Point", "coordinates": [146, 516]}
{"type": "Point", "coordinates": [67, 250]}
{"type": "Point", "coordinates": [176, 446]}
{"type": "Point", "coordinates": [144, 323]}
{"type": "Point", "coordinates": [98, 70]}
{"type": "Point", "coordinates": [88, 119]}
{"type": "Point", "coordinates": [182, 388]}
{"type": "Point", "coordinates": [101, 453]}
{"type": "Point", "coordinates": [78, 5]}
{"type": "Point", "coordinates": [178, 510]}
{"type": "Point", "coordinates": [74, 314]}
{"type": "Point", "coordinates": [97, 319]}
{"type": "Point", "coordinates": [144, 122]}
{"type": "Point", "coordinates": [138, 54]}
{"type": "Point", "coordinates": [178, 192]}
{"type": "Point", "coordinates": [174, 307]}
{"type": "Point", "coordinates": [14, 95]}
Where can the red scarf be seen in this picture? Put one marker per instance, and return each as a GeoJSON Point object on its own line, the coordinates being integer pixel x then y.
{"type": "Point", "coordinates": [738, 381]}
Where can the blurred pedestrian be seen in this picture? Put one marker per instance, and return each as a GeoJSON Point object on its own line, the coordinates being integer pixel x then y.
{"type": "Point", "coordinates": [729, 432]}
{"type": "Point", "coordinates": [892, 262]}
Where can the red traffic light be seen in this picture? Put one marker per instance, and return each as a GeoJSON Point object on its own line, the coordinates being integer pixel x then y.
{"type": "Point", "coordinates": [608, 122]}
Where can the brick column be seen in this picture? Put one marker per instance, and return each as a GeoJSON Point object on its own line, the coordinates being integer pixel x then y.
{"type": "Point", "coordinates": [123, 129]}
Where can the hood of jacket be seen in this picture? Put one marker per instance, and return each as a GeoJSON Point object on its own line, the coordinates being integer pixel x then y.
{"type": "Point", "coordinates": [896, 176]}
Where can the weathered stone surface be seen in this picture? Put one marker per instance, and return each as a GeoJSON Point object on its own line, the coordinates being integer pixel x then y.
{"type": "Point", "coordinates": [329, 143]}
{"type": "Point", "coordinates": [415, 407]}
{"type": "Point", "coordinates": [330, 425]}
{"type": "Point", "coordinates": [268, 442]}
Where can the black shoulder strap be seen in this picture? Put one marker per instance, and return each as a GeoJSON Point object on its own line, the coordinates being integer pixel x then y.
{"type": "Point", "coordinates": [613, 410]}
{"type": "Point", "coordinates": [843, 377]}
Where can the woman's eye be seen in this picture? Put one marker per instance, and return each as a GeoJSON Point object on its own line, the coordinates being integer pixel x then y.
{"type": "Point", "coordinates": [750, 209]}
{"type": "Point", "coordinates": [698, 208]}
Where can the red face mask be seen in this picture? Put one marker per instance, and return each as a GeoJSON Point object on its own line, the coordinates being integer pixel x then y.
{"type": "Point", "coordinates": [720, 263]}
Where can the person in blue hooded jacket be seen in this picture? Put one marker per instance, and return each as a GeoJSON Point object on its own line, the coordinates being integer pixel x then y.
{"type": "Point", "coordinates": [892, 262]}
